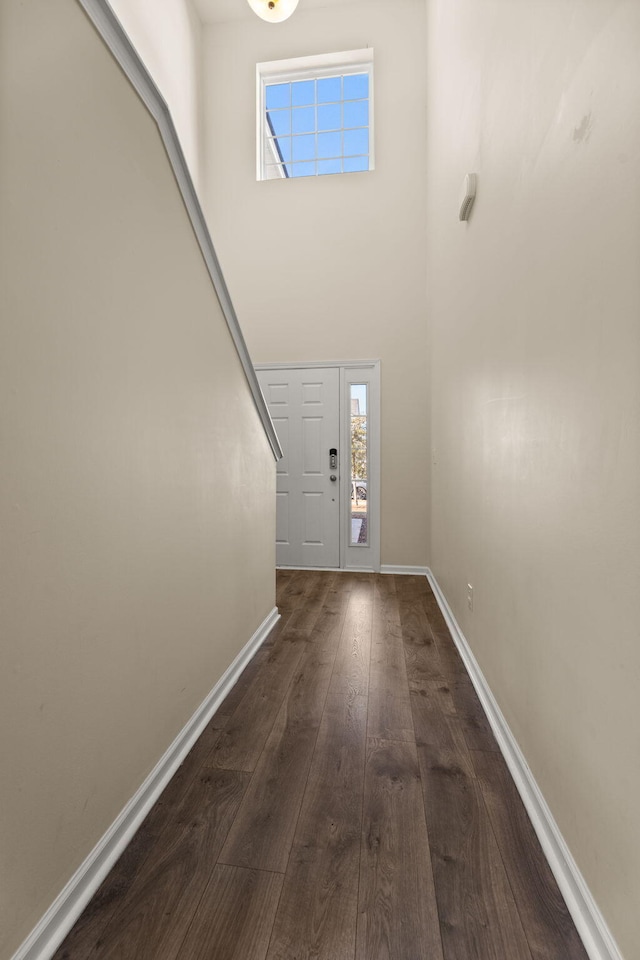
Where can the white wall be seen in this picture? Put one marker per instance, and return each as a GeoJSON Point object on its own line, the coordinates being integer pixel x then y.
{"type": "Point", "coordinates": [534, 310]}
{"type": "Point", "coordinates": [168, 38]}
{"type": "Point", "coordinates": [332, 268]}
{"type": "Point", "coordinates": [137, 487]}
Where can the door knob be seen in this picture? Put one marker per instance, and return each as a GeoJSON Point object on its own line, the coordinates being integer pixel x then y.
{"type": "Point", "coordinates": [333, 478]}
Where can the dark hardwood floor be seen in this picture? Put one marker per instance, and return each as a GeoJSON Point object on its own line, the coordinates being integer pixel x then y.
{"type": "Point", "coordinates": [347, 802]}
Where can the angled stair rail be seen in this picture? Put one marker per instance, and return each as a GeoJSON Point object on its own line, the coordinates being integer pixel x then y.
{"type": "Point", "coordinates": [114, 36]}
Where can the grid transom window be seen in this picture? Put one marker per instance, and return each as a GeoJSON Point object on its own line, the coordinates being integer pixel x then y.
{"type": "Point", "coordinates": [316, 118]}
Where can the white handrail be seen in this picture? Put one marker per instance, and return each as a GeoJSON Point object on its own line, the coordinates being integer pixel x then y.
{"type": "Point", "coordinates": [112, 32]}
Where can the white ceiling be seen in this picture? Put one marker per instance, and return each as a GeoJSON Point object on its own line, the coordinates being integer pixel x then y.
{"type": "Point", "coordinates": [218, 11]}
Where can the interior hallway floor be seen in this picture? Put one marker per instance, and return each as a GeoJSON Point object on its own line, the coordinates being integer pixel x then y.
{"type": "Point", "coordinates": [347, 802]}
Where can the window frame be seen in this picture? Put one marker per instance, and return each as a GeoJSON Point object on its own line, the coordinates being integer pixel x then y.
{"type": "Point", "coordinates": [310, 68]}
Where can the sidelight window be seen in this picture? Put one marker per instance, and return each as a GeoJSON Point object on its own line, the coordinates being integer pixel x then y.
{"type": "Point", "coordinates": [359, 464]}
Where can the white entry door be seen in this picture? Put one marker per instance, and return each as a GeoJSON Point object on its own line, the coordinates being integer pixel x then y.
{"type": "Point", "coordinates": [304, 406]}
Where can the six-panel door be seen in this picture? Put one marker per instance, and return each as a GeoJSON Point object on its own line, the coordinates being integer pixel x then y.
{"type": "Point", "coordinates": [304, 406]}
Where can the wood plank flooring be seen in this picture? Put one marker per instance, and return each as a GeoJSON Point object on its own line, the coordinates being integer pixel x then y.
{"type": "Point", "coordinates": [347, 802]}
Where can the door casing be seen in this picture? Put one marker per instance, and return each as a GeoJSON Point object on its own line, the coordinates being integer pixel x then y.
{"type": "Point", "coordinates": [354, 556]}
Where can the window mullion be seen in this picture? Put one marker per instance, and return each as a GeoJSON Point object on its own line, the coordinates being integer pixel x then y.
{"type": "Point", "coordinates": [282, 92]}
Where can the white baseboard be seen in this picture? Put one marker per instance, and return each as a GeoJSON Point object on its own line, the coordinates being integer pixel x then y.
{"type": "Point", "coordinates": [282, 566]}
{"type": "Point", "coordinates": [590, 924]}
{"type": "Point", "coordinates": [47, 936]}
{"type": "Point", "coordinates": [404, 571]}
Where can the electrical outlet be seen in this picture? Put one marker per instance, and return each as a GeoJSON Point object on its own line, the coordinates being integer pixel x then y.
{"type": "Point", "coordinates": [470, 596]}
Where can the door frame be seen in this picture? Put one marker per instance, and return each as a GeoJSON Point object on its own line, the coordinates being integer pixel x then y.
{"type": "Point", "coordinates": [356, 557]}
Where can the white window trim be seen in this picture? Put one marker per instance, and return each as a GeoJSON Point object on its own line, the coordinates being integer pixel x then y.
{"type": "Point", "coordinates": [310, 68]}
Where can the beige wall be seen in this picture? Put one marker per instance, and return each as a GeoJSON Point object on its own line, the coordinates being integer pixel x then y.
{"type": "Point", "coordinates": [168, 38]}
{"type": "Point", "coordinates": [137, 486]}
{"type": "Point", "coordinates": [332, 268]}
{"type": "Point", "coordinates": [534, 309]}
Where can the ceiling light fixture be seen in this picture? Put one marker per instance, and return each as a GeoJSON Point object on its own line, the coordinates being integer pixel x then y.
{"type": "Point", "coordinates": [273, 11]}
